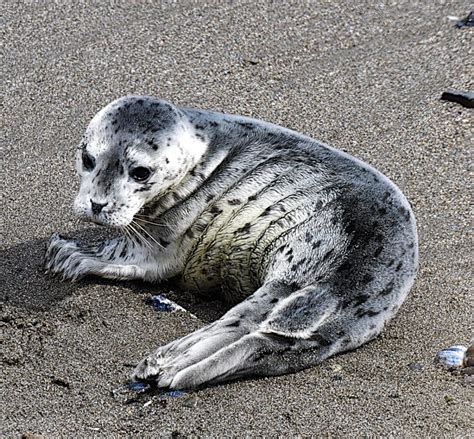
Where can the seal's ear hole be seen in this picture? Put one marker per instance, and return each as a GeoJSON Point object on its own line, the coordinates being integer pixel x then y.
{"type": "Point", "coordinates": [88, 162]}
{"type": "Point", "coordinates": [140, 173]}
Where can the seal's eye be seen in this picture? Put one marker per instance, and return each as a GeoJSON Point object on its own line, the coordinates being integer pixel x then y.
{"type": "Point", "coordinates": [87, 161]}
{"type": "Point", "coordinates": [140, 173]}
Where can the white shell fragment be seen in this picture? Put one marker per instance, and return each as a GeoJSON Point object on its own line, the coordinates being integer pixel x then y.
{"type": "Point", "coordinates": [452, 357]}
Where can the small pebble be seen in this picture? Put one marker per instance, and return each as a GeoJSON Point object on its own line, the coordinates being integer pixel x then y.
{"type": "Point", "coordinates": [191, 401]}
{"type": "Point", "coordinates": [449, 399]}
{"type": "Point", "coordinates": [469, 357]}
{"type": "Point", "coordinates": [417, 367]}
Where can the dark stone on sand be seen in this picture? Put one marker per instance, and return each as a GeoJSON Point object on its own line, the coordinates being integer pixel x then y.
{"type": "Point", "coordinates": [465, 98]}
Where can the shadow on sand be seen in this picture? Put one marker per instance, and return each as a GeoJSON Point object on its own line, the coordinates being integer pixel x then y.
{"type": "Point", "coordinates": [25, 284]}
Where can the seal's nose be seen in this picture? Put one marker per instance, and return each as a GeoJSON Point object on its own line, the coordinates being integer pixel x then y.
{"type": "Point", "coordinates": [97, 207]}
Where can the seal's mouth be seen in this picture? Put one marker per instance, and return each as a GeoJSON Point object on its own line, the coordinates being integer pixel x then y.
{"type": "Point", "coordinates": [89, 219]}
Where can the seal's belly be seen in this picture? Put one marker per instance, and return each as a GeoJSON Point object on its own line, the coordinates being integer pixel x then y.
{"type": "Point", "coordinates": [236, 237]}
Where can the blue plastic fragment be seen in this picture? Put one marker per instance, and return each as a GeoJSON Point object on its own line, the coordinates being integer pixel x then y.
{"type": "Point", "coordinates": [175, 393]}
{"type": "Point", "coordinates": [162, 304]}
{"type": "Point", "coordinates": [137, 386]}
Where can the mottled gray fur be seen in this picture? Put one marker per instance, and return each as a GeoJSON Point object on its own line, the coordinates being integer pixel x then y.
{"type": "Point", "coordinates": [316, 249]}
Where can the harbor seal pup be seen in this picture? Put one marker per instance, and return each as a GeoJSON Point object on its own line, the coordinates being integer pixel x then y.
{"type": "Point", "coordinates": [315, 249]}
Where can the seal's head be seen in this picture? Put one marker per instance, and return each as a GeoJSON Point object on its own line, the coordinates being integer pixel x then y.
{"type": "Point", "coordinates": [134, 150]}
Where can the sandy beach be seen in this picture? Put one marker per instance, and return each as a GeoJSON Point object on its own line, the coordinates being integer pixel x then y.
{"type": "Point", "coordinates": [365, 78]}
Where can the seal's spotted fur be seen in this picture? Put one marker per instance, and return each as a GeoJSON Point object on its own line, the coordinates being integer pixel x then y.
{"type": "Point", "coordinates": [317, 249]}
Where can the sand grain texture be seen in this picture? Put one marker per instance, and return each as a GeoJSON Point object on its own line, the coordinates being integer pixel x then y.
{"type": "Point", "coordinates": [364, 78]}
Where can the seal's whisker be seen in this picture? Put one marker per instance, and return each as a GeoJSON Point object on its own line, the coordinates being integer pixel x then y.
{"type": "Point", "coordinates": [126, 231]}
{"type": "Point", "coordinates": [142, 219]}
{"type": "Point", "coordinates": [148, 233]}
{"type": "Point", "coordinates": [142, 239]}
{"type": "Point", "coordinates": [131, 233]}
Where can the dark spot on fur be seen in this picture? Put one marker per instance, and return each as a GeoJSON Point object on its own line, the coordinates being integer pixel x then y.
{"type": "Point", "coordinates": [387, 290]}
{"type": "Point", "coordinates": [327, 255]}
{"type": "Point", "coordinates": [199, 227]}
{"type": "Point", "coordinates": [252, 197]}
{"type": "Point", "coordinates": [275, 300]}
{"type": "Point", "coordinates": [215, 210]}
{"type": "Point", "coordinates": [367, 312]}
{"type": "Point", "coordinates": [235, 324]}
{"type": "Point", "coordinates": [360, 299]}
{"type": "Point", "coordinates": [163, 242]}
{"type": "Point", "coordinates": [350, 227]}
{"type": "Point", "coordinates": [316, 244]}
{"type": "Point", "coordinates": [378, 251]}
{"type": "Point", "coordinates": [367, 278]}
{"type": "Point", "coordinates": [298, 264]}
{"type": "Point", "coordinates": [399, 266]}
{"type": "Point", "coordinates": [234, 202]}
{"type": "Point", "coordinates": [405, 213]}
{"type": "Point", "coordinates": [246, 125]}
{"type": "Point", "coordinates": [124, 252]}
{"type": "Point", "coordinates": [244, 229]}
{"type": "Point", "coordinates": [320, 339]}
